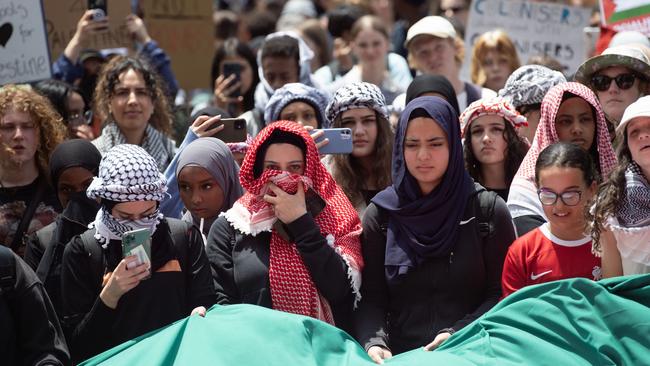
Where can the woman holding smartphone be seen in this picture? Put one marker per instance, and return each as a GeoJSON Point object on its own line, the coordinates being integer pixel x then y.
{"type": "Point", "coordinates": [291, 242]}
{"type": "Point", "coordinates": [106, 299]}
{"type": "Point", "coordinates": [366, 171]}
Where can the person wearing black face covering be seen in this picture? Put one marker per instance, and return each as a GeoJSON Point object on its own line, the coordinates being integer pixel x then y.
{"type": "Point", "coordinates": [72, 166]}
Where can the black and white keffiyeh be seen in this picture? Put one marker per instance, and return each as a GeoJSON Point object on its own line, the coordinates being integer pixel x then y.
{"type": "Point", "coordinates": [157, 144]}
{"type": "Point", "coordinates": [529, 84]}
{"type": "Point", "coordinates": [127, 173]}
{"type": "Point", "coordinates": [635, 207]}
{"type": "Point", "coordinates": [356, 95]}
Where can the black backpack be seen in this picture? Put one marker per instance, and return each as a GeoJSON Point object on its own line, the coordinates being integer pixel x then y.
{"type": "Point", "coordinates": [485, 201]}
{"type": "Point", "coordinates": [7, 271]}
{"type": "Point", "coordinates": [178, 230]}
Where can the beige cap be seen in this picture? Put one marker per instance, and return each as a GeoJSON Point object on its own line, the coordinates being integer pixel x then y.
{"type": "Point", "coordinates": [431, 25]}
{"type": "Point", "coordinates": [640, 108]}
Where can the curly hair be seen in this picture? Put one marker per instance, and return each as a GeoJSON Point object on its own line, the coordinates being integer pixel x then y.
{"type": "Point", "coordinates": [516, 150]}
{"type": "Point", "coordinates": [50, 127]}
{"type": "Point", "coordinates": [352, 177]}
{"type": "Point", "coordinates": [498, 41]}
{"type": "Point", "coordinates": [610, 192]}
{"type": "Point", "coordinates": [161, 119]}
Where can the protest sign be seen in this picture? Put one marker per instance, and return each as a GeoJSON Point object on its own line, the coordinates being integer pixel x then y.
{"type": "Point", "coordinates": [23, 45]}
{"type": "Point", "coordinates": [62, 16]}
{"type": "Point", "coordinates": [185, 31]}
{"type": "Point", "coordinates": [624, 15]}
{"type": "Point", "coordinates": [536, 28]}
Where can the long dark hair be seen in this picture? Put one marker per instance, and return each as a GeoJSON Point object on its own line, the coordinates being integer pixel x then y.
{"type": "Point", "coordinates": [234, 47]}
{"type": "Point", "coordinates": [611, 191]}
{"type": "Point", "coordinates": [57, 92]}
{"type": "Point", "coordinates": [516, 149]}
{"type": "Point", "coordinates": [350, 175]}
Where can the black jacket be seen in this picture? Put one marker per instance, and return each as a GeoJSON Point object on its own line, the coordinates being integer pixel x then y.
{"type": "Point", "coordinates": [29, 329]}
{"type": "Point", "coordinates": [240, 266]}
{"type": "Point", "coordinates": [447, 292]}
{"type": "Point", "coordinates": [167, 296]}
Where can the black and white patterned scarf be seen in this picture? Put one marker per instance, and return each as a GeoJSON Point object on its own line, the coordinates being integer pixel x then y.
{"type": "Point", "coordinates": [127, 173]}
{"type": "Point", "coordinates": [635, 208]}
{"type": "Point", "coordinates": [356, 95]}
{"type": "Point", "coordinates": [154, 142]}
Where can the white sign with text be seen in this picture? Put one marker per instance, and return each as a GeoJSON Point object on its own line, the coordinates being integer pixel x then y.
{"type": "Point", "coordinates": [24, 54]}
{"type": "Point", "coordinates": [536, 28]}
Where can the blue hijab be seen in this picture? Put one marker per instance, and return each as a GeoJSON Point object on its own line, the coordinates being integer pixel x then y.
{"type": "Point", "coordinates": [422, 227]}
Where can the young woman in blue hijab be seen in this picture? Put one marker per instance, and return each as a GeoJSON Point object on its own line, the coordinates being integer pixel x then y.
{"type": "Point", "coordinates": [433, 242]}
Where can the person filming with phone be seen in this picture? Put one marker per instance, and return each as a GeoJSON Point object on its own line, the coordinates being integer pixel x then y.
{"type": "Point", "coordinates": [134, 271]}
{"type": "Point", "coordinates": [291, 242]}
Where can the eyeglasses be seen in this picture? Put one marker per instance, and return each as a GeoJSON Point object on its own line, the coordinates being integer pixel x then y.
{"type": "Point", "coordinates": [549, 198]}
{"type": "Point", "coordinates": [623, 81]}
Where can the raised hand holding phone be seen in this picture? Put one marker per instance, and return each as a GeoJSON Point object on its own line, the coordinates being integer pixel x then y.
{"type": "Point", "coordinates": [123, 280]}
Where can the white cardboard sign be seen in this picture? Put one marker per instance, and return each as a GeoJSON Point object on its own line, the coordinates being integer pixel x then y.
{"type": "Point", "coordinates": [24, 53]}
{"type": "Point", "coordinates": [535, 27]}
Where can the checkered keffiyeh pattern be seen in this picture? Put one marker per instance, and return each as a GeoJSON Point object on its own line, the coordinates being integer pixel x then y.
{"type": "Point", "coordinates": [547, 134]}
{"type": "Point", "coordinates": [498, 106]}
{"type": "Point", "coordinates": [529, 83]}
{"type": "Point", "coordinates": [292, 289]}
{"type": "Point", "coordinates": [128, 173]}
{"type": "Point", "coordinates": [356, 95]}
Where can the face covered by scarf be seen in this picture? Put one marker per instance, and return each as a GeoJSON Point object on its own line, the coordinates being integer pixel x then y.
{"type": "Point", "coordinates": [292, 289]}
{"type": "Point", "coordinates": [71, 154]}
{"type": "Point", "coordinates": [127, 173]}
{"type": "Point", "coordinates": [422, 227]}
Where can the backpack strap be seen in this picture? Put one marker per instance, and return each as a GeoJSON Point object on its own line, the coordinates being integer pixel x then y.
{"type": "Point", "coordinates": [95, 253]}
{"type": "Point", "coordinates": [7, 270]}
{"type": "Point", "coordinates": [44, 237]}
{"type": "Point", "coordinates": [486, 200]}
{"type": "Point", "coordinates": [23, 225]}
{"type": "Point", "coordinates": [179, 231]}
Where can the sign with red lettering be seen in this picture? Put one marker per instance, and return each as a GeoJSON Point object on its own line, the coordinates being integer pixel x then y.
{"type": "Point", "coordinates": [24, 55]}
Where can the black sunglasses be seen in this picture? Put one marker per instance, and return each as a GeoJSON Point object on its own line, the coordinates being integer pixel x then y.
{"type": "Point", "coordinates": [623, 81]}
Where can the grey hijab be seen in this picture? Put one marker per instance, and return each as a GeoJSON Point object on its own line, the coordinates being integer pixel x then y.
{"type": "Point", "coordinates": [214, 156]}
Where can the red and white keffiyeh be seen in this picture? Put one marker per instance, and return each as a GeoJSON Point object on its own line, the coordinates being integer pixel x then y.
{"type": "Point", "coordinates": [547, 134]}
{"type": "Point", "coordinates": [522, 199]}
{"type": "Point", "coordinates": [496, 105]}
{"type": "Point", "coordinates": [292, 289]}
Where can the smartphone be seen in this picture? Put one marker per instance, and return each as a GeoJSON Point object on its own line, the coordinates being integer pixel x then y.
{"type": "Point", "coordinates": [138, 243]}
{"type": "Point", "coordinates": [233, 68]}
{"type": "Point", "coordinates": [234, 130]}
{"type": "Point", "coordinates": [99, 8]}
{"type": "Point", "coordinates": [340, 141]}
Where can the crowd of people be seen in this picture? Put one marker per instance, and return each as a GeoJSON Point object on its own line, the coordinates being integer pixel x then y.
{"type": "Point", "coordinates": [455, 194]}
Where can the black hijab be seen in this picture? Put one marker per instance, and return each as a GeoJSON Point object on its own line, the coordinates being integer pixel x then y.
{"type": "Point", "coordinates": [432, 83]}
{"type": "Point", "coordinates": [422, 227]}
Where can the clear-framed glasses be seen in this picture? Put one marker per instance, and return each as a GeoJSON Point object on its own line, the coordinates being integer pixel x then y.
{"type": "Point", "coordinates": [549, 198]}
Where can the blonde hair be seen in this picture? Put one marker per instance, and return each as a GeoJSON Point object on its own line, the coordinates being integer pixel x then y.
{"type": "Point", "coordinates": [49, 124]}
{"type": "Point", "coordinates": [496, 40]}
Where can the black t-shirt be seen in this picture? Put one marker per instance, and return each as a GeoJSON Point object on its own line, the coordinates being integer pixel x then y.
{"type": "Point", "coordinates": [13, 204]}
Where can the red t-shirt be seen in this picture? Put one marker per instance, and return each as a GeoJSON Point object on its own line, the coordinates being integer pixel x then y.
{"type": "Point", "coordinates": [540, 256]}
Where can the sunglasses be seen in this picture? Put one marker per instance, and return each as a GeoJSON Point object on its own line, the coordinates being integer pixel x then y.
{"type": "Point", "coordinates": [623, 81]}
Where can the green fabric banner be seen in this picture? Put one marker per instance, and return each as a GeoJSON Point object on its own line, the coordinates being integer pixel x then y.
{"type": "Point", "coordinates": [570, 322]}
